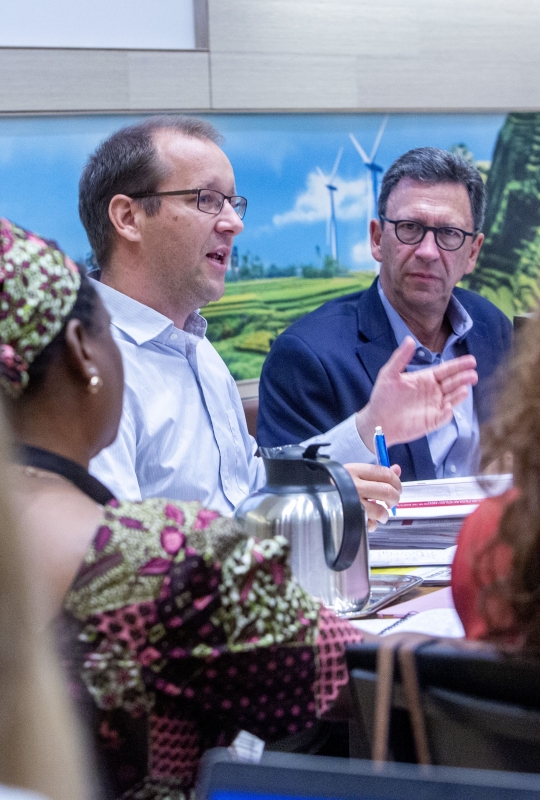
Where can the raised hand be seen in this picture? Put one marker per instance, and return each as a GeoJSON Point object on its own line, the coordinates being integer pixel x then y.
{"type": "Point", "coordinates": [408, 405]}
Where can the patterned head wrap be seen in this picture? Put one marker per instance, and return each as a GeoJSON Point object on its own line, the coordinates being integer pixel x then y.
{"type": "Point", "coordinates": [38, 289]}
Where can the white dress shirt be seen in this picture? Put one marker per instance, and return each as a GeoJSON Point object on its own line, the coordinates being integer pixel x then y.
{"type": "Point", "coordinates": [183, 432]}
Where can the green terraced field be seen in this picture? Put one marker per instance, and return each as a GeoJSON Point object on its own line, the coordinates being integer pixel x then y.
{"type": "Point", "coordinates": [243, 324]}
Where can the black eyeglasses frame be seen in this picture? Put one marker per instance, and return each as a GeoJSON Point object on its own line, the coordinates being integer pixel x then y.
{"type": "Point", "coordinates": [141, 195]}
{"type": "Point", "coordinates": [426, 228]}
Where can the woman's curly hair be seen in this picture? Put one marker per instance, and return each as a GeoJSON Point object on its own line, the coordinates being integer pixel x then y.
{"type": "Point", "coordinates": [511, 442]}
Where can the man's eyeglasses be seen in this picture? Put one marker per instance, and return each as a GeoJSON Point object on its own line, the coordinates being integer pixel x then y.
{"type": "Point", "coordinates": [409, 232]}
{"type": "Point", "coordinates": [210, 201]}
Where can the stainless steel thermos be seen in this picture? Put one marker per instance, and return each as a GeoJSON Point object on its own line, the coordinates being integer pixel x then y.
{"type": "Point", "coordinates": [313, 503]}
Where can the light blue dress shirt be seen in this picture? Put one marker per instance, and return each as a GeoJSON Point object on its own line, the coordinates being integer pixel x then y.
{"type": "Point", "coordinates": [183, 433]}
{"type": "Point", "coordinates": [454, 448]}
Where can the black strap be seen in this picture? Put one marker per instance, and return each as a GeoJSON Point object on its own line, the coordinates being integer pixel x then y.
{"type": "Point", "coordinates": [78, 475]}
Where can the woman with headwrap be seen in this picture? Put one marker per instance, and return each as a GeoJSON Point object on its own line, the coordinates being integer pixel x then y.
{"type": "Point", "coordinates": [178, 632]}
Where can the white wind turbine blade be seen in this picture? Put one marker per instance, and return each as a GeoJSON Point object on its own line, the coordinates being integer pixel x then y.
{"type": "Point", "coordinates": [329, 213]}
{"type": "Point", "coordinates": [370, 213]}
{"type": "Point", "coordinates": [336, 165]}
{"type": "Point", "coordinates": [378, 139]}
{"type": "Point", "coordinates": [333, 241]}
{"type": "Point", "coordinates": [359, 148]}
{"type": "Point", "coordinates": [369, 207]}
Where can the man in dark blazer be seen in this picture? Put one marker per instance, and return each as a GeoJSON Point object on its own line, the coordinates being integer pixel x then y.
{"type": "Point", "coordinates": [336, 373]}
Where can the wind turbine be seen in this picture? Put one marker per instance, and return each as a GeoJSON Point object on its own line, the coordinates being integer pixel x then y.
{"type": "Point", "coordinates": [331, 227]}
{"type": "Point", "coordinates": [370, 165]}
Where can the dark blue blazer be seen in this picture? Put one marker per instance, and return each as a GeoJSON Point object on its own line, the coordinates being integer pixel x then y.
{"type": "Point", "coordinates": [322, 369]}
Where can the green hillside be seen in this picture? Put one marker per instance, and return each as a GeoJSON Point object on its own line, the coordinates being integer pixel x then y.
{"type": "Point", "coordinates": [509, 264]}
{"type": "Point", "coordinates": [244, 323]}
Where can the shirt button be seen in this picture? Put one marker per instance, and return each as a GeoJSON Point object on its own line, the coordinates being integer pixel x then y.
{"type": "Point", "coordinates": [173, 336]}
{"type": "Point", "coordinates": [421, 353]}
{"type": "Point", "coordinates": [453, 468]}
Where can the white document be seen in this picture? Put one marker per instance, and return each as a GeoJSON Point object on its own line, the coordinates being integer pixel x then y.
{"type": "Point", "coordinates": [434, 576]}
{"type": "Point", "coordinates": [412, 558]}
{"type": "Point", "coordinates": [448, 497]}
{"type": "Point", "coordinates": [373, 625]}
{"type": "Point", "coordinates": [434, 622]}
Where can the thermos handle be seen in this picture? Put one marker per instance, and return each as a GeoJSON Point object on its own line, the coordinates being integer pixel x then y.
{"type": "Point", "coordinates": [354, 522]}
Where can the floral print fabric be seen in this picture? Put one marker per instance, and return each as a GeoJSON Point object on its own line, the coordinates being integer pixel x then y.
{"type": "Point", "coordinates": [173, 650]}
{"type": "Point", "coordinates": [38, 289]}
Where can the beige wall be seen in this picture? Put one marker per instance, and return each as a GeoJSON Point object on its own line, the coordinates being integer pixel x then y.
{"type": "Point", "coordinates": [306, 55]}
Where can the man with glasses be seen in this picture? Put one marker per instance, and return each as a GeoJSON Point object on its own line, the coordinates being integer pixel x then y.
{"type": "Point", "coordinates": [159, 204]}
{"type": "Point", "coordinates": [327, 374]}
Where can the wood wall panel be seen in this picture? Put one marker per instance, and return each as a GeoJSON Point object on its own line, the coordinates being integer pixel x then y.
{"type": "Point", "coordinates": [168, 80]}
{"type": "Point", "coordinates": [62, 80]}
{"type": "Point", "coordinates": [102, 80]}
{"type": "Point", "coordinates": [419, 55]}
{"type": "Point", "coordinates": [315, 27]}
{"type": "Point", "coordinates": [287, 81]}
{"type": "Point", "coordinates": [305, 55]}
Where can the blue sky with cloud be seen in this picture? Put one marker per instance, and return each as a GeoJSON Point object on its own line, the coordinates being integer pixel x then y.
{"type": "Point", "coordinates": [275, 157]}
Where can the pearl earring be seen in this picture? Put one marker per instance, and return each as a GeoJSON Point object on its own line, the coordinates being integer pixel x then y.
{"type": "Point", "coordinates": [95, 384]}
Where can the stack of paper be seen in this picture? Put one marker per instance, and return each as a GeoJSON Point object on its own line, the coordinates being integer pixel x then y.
{"type": "Point", "coordinates": [431, 533]}
{"type": "Point", "coordinates": [430, 513]}
{"type": "Point", "coordinates": [433, 566]}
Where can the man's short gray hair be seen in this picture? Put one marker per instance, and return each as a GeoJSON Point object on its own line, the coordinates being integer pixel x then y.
{"type": "Point", "coordinates": [432, 165]}
{"type": "Point", "coordinates": [127, 163]}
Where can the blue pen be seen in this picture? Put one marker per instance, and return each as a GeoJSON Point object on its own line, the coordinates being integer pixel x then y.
{"type": "Point", "coordinates": [381, 451]}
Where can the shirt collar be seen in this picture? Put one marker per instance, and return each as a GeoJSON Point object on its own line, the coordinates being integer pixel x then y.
{"type": "Point", "coordinates": [142, 323]}
{"type": "Point", "coordinates": [458, 317]}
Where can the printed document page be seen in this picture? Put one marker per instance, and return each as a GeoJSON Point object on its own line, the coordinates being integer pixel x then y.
{"type": "Point", "coordinates": [412, 557]}
{"type": "Point", "coordinates": [434, 622]}
{"type": "Point", "coordinates": [448, 497]}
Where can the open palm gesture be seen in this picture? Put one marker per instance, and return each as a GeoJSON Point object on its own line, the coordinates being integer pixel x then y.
{"type": "Point", "coordinates": [408, 405]}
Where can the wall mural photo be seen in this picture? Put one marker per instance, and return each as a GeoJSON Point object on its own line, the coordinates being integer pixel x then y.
{"type": "Point", "coordinates": [311, 181]}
